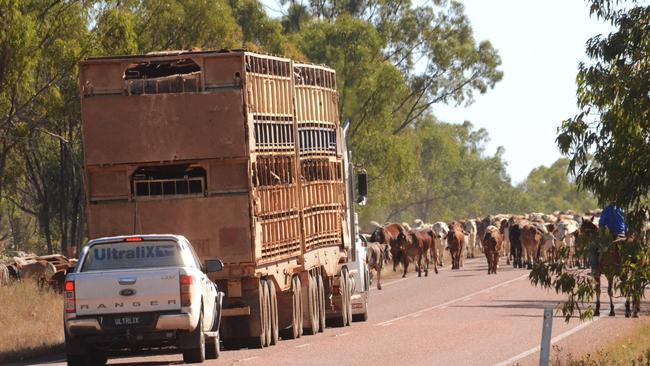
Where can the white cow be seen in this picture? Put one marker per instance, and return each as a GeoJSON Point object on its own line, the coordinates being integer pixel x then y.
{"type": "Point", "coordinates": [469, 227]}
{"type": "Point", "coordinates": [440, 231]}
{"type": "Point", "coordinates": [566, 230]}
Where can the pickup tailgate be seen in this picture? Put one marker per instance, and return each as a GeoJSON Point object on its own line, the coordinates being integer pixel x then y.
{"type": "Point", "coordinates": [127, 291]}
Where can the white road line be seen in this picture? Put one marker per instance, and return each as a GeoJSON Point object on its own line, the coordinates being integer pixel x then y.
{"type": "Point", "coordinates": [445, 304]}
{"type": "Point", "coordinates": [303, 345]}
{"type": "Point", "coordinates": [247, 359]}
{"type": "Point", "coordinates": [554, 340]}
{"type": "Point", "coordinates": [343, 334]}
{"type": "Point", "coordinates": [394, 282]}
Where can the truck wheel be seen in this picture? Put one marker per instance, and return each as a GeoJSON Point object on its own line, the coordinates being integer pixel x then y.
{"type": "Point", "coordinates": [341, 320]}
{"type": "Point", "coordinates": [321, 301]}
{"type": "Point", "coordinates": [296, 310]}
{"type": "Point", "coordinates": [263, 339]}
{"type": "Point", "coordinates": [212, 348]}
{"type": "Point", "coordinates": [196, 338]}
{"type": "Point", "coordinates": [312, 306]}
{"type": "Point", "coordinates": [348, 299]}
{"type": "Point", "coordinates": [273, 298]}
{"type": "Point", "coordinates": [301, 306]}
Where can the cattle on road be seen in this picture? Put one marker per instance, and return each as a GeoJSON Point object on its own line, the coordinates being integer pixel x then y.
{"type": "Point", "coordinates": [440, 231]}
{"type": "Point", "coordinates": [456, 244]}
{"type": "Point", "coordinates": [393, 235]}
{"type": "Point", "coordinates": [376, 255]}
{"type": "Point", "coordinates": [492, 242]}
{"type": "Point", "coordinates": [469, 226]}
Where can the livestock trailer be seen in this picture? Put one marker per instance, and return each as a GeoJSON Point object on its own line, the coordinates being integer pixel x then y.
{"type": "Point", "coordinates": [243, 154]}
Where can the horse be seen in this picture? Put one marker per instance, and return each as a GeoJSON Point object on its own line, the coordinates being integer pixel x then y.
{"type": "Point", "coordinates": [609, 264]}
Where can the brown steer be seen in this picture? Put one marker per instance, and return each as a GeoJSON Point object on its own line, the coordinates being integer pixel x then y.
{"type": "Point", "coordinates": [394, 235]}
{"type": "Point", "coordinates": [492, 242]}
{"type": "Point", "coordinates": [456, 244]}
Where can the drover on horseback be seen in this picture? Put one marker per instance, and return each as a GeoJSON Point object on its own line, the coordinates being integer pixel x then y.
{"type": "Point", "coordinates": [612, 218]}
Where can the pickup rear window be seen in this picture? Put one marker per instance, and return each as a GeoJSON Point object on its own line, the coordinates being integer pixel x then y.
{"type": "Point", "coordinates": [128, 255]}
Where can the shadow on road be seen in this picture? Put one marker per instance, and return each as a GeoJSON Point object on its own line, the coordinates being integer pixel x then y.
{"type": "Point", "coordinates": [150, 363]}
{"type": "Point", "coordinates": [515, 304]}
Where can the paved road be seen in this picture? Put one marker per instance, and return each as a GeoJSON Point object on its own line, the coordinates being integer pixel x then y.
{"type": "Point", "coordinates": [454, 318]}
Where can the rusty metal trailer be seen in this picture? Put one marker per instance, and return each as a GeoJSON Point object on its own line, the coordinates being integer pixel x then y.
{"type": "Point", "coordinates": [244, 155]}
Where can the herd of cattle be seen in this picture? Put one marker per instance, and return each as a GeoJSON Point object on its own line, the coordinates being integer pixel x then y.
{"type": "Point", "coordinates": [46, 271]}
{"type": "Point", "coordinates": [521, 239]}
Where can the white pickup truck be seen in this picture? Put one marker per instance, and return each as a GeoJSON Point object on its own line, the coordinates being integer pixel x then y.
{"type": "Point", "coordinates": [143, 291]}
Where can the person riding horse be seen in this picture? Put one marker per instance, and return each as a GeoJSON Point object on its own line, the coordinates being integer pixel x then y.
{"type": "Point", "coordinates": [612, 218]}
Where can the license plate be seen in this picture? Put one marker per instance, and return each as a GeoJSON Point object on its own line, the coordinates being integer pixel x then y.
{"type": "Point", "coordinates": [143, 320]}
{"type": "Point", "coordinates": [125, 321]}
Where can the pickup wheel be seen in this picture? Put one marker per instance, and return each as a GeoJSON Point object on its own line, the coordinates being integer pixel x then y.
{"type": "Point", "coordinates": [212, 348]}
{"type": "Point", "coordinates": [196, 353]}
{"type": "Point", "coordinates": [212, 343]}
{"type": "Point", "coordinates": [77, 360]}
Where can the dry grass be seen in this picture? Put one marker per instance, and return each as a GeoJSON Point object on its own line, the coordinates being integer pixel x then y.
{"type": "Point", "coordinates": [631, 349]}
{"type": "Point", "coordinates": [31, 322]}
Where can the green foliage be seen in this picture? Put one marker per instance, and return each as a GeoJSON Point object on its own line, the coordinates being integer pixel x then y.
{"type": "Point", "coordinates": [551, 189]}
{"type": "Point", "coordinates": [608, 144]}
{"type": "Point", "coordinates": [394, 60]}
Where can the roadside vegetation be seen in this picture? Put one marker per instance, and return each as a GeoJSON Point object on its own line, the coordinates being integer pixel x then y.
{"type": "Point", "coordinates": [632, 349]}
{"type": "Point", "coordinates": [395, 62]}
{"type": "Point", "coordinates": [608, 146]}
{"type": "Point", "coordinates": [31, 322]}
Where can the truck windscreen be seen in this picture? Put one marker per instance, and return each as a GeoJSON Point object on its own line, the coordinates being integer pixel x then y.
{"type": "Point", "coordinates": [126, 255]}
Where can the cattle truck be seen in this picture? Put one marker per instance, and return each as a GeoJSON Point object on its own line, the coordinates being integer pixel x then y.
{"type": "Point", "coordinates": [243, 154]}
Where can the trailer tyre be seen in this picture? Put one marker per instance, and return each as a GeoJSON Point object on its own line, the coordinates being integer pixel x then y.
{"type": "Point", "coordinates": [321, 301]}
{"type": "Point", "coordinates": [273, 310]}
{"type": "Point", "coordinates": [262, 340]}
{"type": "Point", "coordinates": [294, 331]}
{"type": "Point", "coordinates": [312, 303]}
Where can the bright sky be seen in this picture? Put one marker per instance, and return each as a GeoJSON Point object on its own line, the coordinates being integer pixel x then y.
{"type": "Point", "coordinates": [541, 44]}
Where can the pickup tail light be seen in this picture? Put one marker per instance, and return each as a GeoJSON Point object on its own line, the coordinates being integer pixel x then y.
{"type": "Point", "coordinates": [69, 297]}
{"type": "Point", "coordinates": [186, 289]}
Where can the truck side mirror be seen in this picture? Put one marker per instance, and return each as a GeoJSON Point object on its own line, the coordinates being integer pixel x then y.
{"type": "Point", "coordinates": [362, 187]}
{"type": "Point", "coordinates": [213, 265]}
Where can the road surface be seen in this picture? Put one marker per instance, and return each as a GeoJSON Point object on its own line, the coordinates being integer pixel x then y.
{"type": "Point", "coordinates": [454, 318]}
